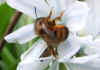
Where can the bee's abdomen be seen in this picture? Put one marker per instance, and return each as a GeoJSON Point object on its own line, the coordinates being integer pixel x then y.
{"type": "Point", "coordinates": [61, 32]}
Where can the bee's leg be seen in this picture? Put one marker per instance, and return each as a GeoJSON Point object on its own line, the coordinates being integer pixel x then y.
{"type": "Point", "coordinates": [53, 52]}
{"type": "Point", "coordinates": [60, 16]}
{"type": "Point", "coordinates": [50, 14]}
{"type": "Point", "coordinates": [49, 51]}
{"type": "Point", "coordinates": [46, 53]}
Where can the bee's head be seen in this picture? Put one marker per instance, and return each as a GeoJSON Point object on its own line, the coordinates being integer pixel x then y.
{"type": "Point", "coordinates": [46, 23]}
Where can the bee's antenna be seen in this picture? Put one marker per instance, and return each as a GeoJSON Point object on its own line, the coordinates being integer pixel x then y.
{"type": "Point", "coordinates": [35, 12]}
{"type": "Point", "coordinates": [59, 17]}
{"type": "Point", "coordinates": [50, 14]}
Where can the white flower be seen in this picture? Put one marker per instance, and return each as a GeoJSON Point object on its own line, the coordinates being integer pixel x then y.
{"type": "Point", "coordinates": [75, 17]}
{"type": "Point", "coordinates": [30, 60]}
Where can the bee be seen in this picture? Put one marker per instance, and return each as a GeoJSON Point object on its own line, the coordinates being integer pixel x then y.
{"type": "Point", "coordinates": [53, 34]}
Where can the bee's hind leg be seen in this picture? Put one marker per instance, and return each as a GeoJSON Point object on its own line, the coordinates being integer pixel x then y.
{"type": "Point", "coordinates": [48, 52]}
{"type": "Point", "coordinates": [53, 52]}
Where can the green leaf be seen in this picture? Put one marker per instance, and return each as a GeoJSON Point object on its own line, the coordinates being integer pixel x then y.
{"type": "Point", "coordinates": [47, 68]}
{"type": "Point", "coordinates": [62, 66]}
{"type": "Point", "coordinates": [5, 15]}
{"type": "Point", "coordinates": [7, 56]}
{"type": "Point", "coordinates": [10, 54]}
{"type": "Point", "coordinates": [3, 66]}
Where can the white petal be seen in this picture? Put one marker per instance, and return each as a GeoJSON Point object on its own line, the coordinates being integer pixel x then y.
{"type": "Point", "coordinates": [22, 35]}
{"type": "Point", "coordinates": [35, 51]}
{"type": "Point", "coordinates": [84, 59]}
{"type": "Point", "coordinates": [97, 41]}
{"type": "Point", "coordinates": [92, 65]}
{"type": "Point", "coordinates": [69, 48]}
{"type": "Point", "coordinates": [28, 7]}
{"type": "Point", "coordinates": [81, 67]}
{"type": "Point", "coordinates": [86, 40]}
{"type": "Point", "coordinates": [91, 44]}
{"type": "Point", "coordinates": [97, 38]}
{"type": "Point", "coordinates": [93, 49]}
{"type": "Point", "coordinates": [65, 3]}
{"type": "Point", "coordinates": [76, 16]}
{"type": "Point", "coordinates": [93, 26]}
{"type": "Point", "coordinates": [32, 65]}
{"type": "Point", "coordinates": [95, 63]}
{"type": "Point", "coordinates": [54, 66]}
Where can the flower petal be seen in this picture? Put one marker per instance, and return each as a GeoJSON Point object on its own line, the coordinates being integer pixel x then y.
{"type": "Point", "coordinates": [97, 41]}
{"type": "Point", "coordinates": [84, 59]}
{"type": "Point", "coordinates": [85, 40]}
{"type": "Point", "coordinates": [65, 3]}
{"type": "Point", "coordinates": [92, 65]}
{"type": "Point", "coordinates": [91, 44]}
{"type": "Point", "coordinates": [93, 49]}
{"type": "Point", "coordinates": [54, 66]}
{"type": "Point", "coordinates": [33, 65]}
{"type": "Point", "coordinates": [76, 16]}
{"type": "Point", "coordinates": [22, 35]}
{"type": "Point", "coordinates": [69, 48]}
{"type": "Point", "coordinates": [35, 51]}
{"type": "Point", "coordinates": [93, 26]}
{"type": "Point", "coordinates": [28, 7]}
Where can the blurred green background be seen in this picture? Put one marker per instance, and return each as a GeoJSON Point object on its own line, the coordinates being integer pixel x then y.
{"type": "Point", "coordinates": [10, 55]}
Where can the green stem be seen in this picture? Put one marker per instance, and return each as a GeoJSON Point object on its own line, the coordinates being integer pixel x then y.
{"type": "Point", "coordinates": [7, 56]}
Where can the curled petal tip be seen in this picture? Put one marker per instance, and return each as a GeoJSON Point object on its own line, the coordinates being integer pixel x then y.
{"type": "Point", "coordinates": [22, 35]}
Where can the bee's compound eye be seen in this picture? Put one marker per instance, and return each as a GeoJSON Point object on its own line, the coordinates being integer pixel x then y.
{"type": "Point", "coordinates": [40, 22]}
{"type": "Point", "coordinates": [48, 23]}
{"type": "Point", "coordinates": [51, 23]}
